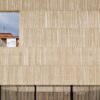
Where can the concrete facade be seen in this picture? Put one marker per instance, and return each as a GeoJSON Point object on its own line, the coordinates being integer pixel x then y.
{"type": "Point", "coordinates": [59, 43]}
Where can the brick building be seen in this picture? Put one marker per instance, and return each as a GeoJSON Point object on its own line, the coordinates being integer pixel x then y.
{"type": "Point", "coordinates": [5, 36]}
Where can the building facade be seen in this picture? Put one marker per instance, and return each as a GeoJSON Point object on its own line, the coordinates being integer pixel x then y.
{"type": "Point", "coordinates": [59, 43]}
{"type": "Point", "coordinates": [5, 39]}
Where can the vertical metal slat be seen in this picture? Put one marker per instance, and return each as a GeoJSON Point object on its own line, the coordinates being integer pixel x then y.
{"type": "Point", "coordinates": [71, 92]}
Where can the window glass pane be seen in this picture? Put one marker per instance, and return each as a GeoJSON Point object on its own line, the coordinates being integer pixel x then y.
{"type": "Point", "coordinates": [45, 93]}
{"type": "Point", "coordinates": [86, 93]}
{"type": "Point", "coordinates": [53, 93]}
{"type": "Point", "coordinates": [8, 93]}
{"type": "Point", "coordinates": [26, 93]}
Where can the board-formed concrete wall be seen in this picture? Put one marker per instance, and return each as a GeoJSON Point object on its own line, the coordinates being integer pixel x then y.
{"type": "Point", "coordinates": [59, 43]}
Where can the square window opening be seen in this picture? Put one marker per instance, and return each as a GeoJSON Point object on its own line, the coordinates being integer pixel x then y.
{"type": "Point", "coordinates": [9, 29]}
